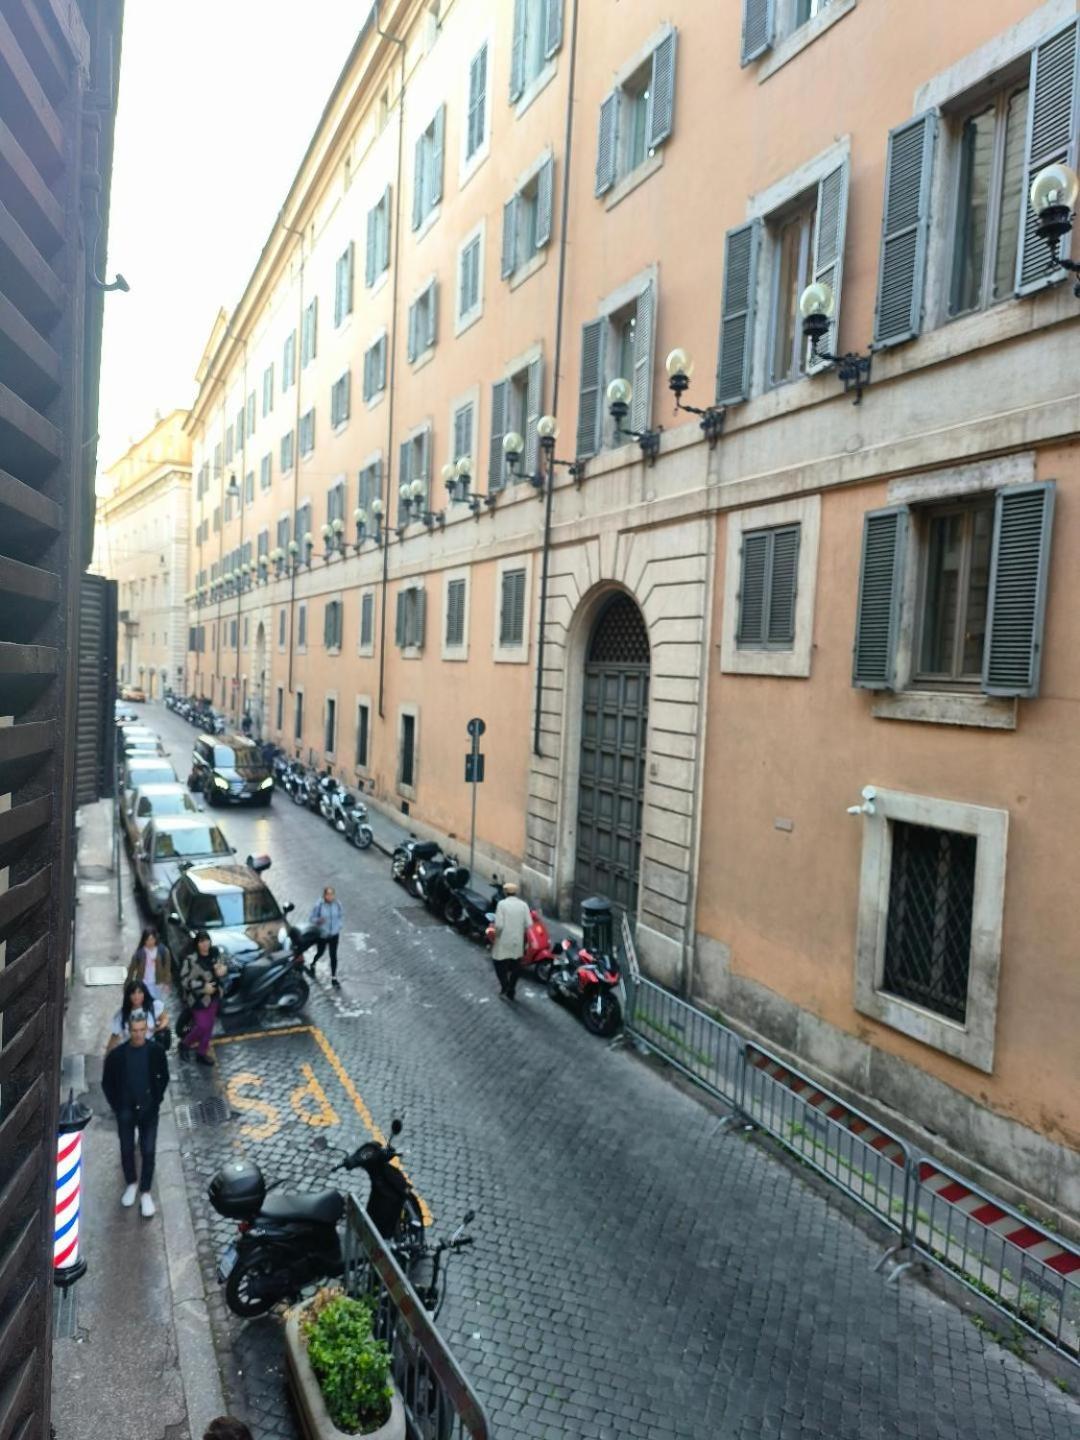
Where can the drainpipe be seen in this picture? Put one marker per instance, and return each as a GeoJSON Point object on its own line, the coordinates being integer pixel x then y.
{"type": "Point", "coordinates": [392, 396]}
{"type": "Point", "coordinates": [296, 450]}
{"type": "Point", "coordinates": [548, 499]}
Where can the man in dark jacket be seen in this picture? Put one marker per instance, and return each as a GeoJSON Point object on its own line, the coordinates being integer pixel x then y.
{"type": "Point", "coordinates": [135, 1079]}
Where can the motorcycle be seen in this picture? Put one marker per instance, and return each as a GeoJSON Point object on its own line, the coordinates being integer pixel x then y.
{"type": "Point", "coordinates": [350, 819]}
{"type": "Point", "coordinates": [294, 782]}
{"type": "Point", "coordinates": [430, 884]}
{"type": "Point", "coordinates": [466, 908]}
{"type": "Point", "coordinates": [329, 792]}
{"type": "Point", "coordinates": [287, 1240]}
{"type": "Point", "coordinates": [273, 983]}
{"type": "Point", "coordinates": [408, 856]}
{"type": "Point", "coordinates": [587, 983]}
{"type": "Point", "coordinates": [539, 958]}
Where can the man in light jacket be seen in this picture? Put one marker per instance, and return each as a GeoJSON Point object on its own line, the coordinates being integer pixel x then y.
{"type": "Point", "coordinates": [326, 917]}
{"type": "Point", "coordinates": [512, 918]}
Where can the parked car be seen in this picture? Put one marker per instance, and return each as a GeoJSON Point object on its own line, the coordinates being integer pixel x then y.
{"type": "Point", "coordinates": [141, 745]}
{"type": "Point", "coordinates": [134, 693]}
{"type": "Point", "coordinates": [145, 770]}
{"type": "Point", "coordinates": [122, 712]}
{"type": "Point", "coordinates": [230, 770]}
{"type": "Point", "coordinates": [166, 846]}
{"type": "Point", "coordinates": [157, 802]}
{"type": "Point", "coordinates": [232, 902]}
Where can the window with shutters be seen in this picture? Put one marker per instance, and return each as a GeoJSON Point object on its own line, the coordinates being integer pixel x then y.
{"type": "Point", "coordinates": [298, 716]}
{"type": "Point", "coordinates": [343, 285]}
{"type": "Point", "coordinates": [767, 589]}
{"type": "Point", "coordinates": [369, 489]}
{"type": "Point", "coordinates": [265, 472]}
{"type": "Point", "coordinates": [240, 430]}
{"type": "Point", "coordinates": [785, 27]}
{"type": "Point", "coordinates": [302, 531]}
{"type": "Point", "coordinates": [281, 629]}
{"type": "Point", "coordinates": [414, 463]}
{"type": "Point", "coordinates": [527, 222]}
{"type": "Point", "coordinates": [407, 752]}
{"type": "Point", "coordinates": [510, 638]}
{"type": "Point", "coordinates": [455, 616]}
{"type": "Point", "coordinates": [536, 38]}
{"type": "Point", "coordinates": [792, 244]}
{"type": "Point", "coordinates": [476, 112]}
{"type": "Point", "coordinates": [333, 625]}
{"type": "Point", "coordinates": [218, 468]}
{"type": "Point", "coordinates": [301, 626]}
{"type": "Point", "coordinates": [428, 169]}
{"type": "Point", "coordinates": [309, 333]}
{"type": "Point", "coordinates": [335, 502]}
{"type": "Point", "coordinates": [287, 456]}
{"type": "Point", "coordinates": [423, 323]}
{"type": "Point", "coordinates": [307, 432]}
{"type": "Point", "coordinates": [228, 443]}
{"type": "Point", "coordinates": [770, 577]}
{"type": "Point", "coordinates": [363, 732]}
{"type": "Point", "coordinates": [339, 401]}
{"type": "Point", "coordinates": [288, 362]}
{"type": "Point", "coordinates": [366, 644]}
{"type": "Point", "coordinates": [279, 706]}
{"type": "Point", "coordinates": [283, 533]}
{"type": "Point", "coordinates": [463, 429]}
{"type": "Point", "coordinates": [954, 542]}
{"type": "Point", "coordinates": [470, 287]}
{"type": "Point", "coordinates": [516, 405]}
{"type": "Point", "coordinates": [377, 253]}
{"type": "Point", "coordinates": [249, 487]}
{"type": "Point", "coordinates": [375, 370]}
{"type": "Point", "coordinates": [410, 620]}
{"type": "Point", "coordinates": [268, 390]}
{"type": "Point", "coordinates": [636, 118]}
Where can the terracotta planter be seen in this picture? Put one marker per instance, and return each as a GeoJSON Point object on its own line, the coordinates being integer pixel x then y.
{"type": "Point", "coordinates": [314, 1419]}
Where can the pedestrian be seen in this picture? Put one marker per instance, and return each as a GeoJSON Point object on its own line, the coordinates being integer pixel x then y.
{"type": "Point", "coordinates": [134, 1080]}
{"type": "Point", "coordinates": [326, 917]}
{"type": "Point", "coordinates": [512, 918]}
{"type": "Point", "coordinates": [137, 997]}
{"type": "Point", "coordinates": [226, 1427]}
{"type": "Point", "coordinates": [151, 963]}
{"type": "Point", "coordinates": [200, 981]}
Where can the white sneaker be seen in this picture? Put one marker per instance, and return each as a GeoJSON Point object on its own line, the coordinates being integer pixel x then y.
{"type": "Point", "coordinates": [146, 1204]}
{"type": "Point", "coordinates": [128, 1197]}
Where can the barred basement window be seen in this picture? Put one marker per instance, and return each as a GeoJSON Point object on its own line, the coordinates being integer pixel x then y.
{"type": "Point", "coordinates": [928, 930]}
{"type": "Point", "coordinates": [767, 589]}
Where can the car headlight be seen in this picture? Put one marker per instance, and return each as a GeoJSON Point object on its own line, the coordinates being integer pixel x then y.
{"type": "Point", "coordinates": [265, 784]}
{"type": "Point", "coordinates": [220, 783]}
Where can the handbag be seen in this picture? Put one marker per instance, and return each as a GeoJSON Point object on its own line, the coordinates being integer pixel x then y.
{"type": "Point", "coordinates": [184, 1021]}
{"type": "Point", "coordinates": [164, 1038]}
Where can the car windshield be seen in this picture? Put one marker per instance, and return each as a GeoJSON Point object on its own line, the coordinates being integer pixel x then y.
{"type": "Point", "coordinates": [244, 761]}
{"type": "Point", "coordinates": [179, 804]}
{"type": "Point", "coordinates": [147, 774]}
{"type": "Point", "coordinates": [200, 840]}
{"type": "Point", "coordinates": [252, 906]}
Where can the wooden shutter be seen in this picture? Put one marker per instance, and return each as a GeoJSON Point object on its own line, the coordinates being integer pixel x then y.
{"type": "Point", "coordinates": [512, 608]}
{"type": "Point", "coordinates": [534, 401]}
{"type": "Point", "coordinates": [758, 23]}
{"type": "Point", "coordinates": [905, 228]}
{"type": "Point", "coordinates": [1019, 567]}
{"type": "Point", "coordinates": [517, 54]}
{"type": "Point", "coordinates": [455, 612]}
{"type": "Point", "coordinates": [404, 477]}
{"type": "Point", "coordinates": [383, 234]}
{"type": "Point", "coordinates": [369, 251]}
{"type": "Point", "coordinates": [509, 237]}
{"type": "Point", "coordinates": [419, 182]}
{"type": "Point", "coordinates": [432, 333]}
{"type": "Point", "coordinates": [783, 587]}
{"type": "Point", "coordinates": [350, 265]}
{"type": "Point", "coordinates": [496, 474]}
{"type": "Point", "coordinates": [399, 622]}
{"type": "Point", "coordinates": [590, 389]}
{"type": "Point", "coordinates": [545, 185]}
{"type": "Point", "coordinates": [1053, 127]}
{"type": "Point", "coordinates": [829, 229]}
{"type": "Point", "coordinates": [369, 356]}
{"type": "Point", "coordinates": [382, 362]}
{"type": "Point", "coordinates": [737, 312]}
{"type": "Point", "coordinates": [662, 91]}
{"type": "Point", "coordinates": [425, 460]}
{"type": "Point", "coordinates": [437, 145]}
{"type": "Point", "coordinates": [419, 616]}
{"type": "Point", "coordinates": [463, 425]}
{"type": "Point", "coordinates": [605, 145]}
{"type": "Point", "coordinates": [755, 556]}
{"type": "Point", "coordinates": [477, 99]}
{"type": "Point", "coordinates": [328, 625]}
{"type": "Point", "coordinates": [367, 615]}
{"type": "Point", "coordinates": [553, 31]}
{"type": "Point", "coordinates": [410, 345]}
{"type": "Point", "coordinates": [641, 400]}
{"type": "Point", "coordinates": [881, 580]}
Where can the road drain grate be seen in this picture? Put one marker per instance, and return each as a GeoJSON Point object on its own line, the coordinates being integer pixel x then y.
{"type": "Point", "coordinates": [213, 1111]}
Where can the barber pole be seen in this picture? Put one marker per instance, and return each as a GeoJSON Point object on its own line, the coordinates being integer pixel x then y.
{"type": "Point", "coordinates": [73, 1120]}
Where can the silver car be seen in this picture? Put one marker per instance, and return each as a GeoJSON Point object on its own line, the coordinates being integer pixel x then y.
{"type": "Point", "coordinates": [145, 770]}
{"type": "Point", "coordinates": [163, 801]}
{"type": "Point", "coordinates": [167, 847]}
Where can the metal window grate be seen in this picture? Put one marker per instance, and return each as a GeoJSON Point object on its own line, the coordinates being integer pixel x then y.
{"type": "Point", "coordinates": [620, 637]}
{"type": "Point", "coordinates": [928, 931]}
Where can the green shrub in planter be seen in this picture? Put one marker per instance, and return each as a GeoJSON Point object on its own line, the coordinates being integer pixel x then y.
{"type": "Point", "coordinates": [351, 1366]}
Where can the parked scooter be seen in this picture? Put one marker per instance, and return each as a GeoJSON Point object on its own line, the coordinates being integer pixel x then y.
{"type": "Point", "coordinates": [429, 882]}
{"type": "Point", "coordinates": [408, 856]}
{"type": "Point", "coordinates": [274, 983]}
{"type": "Point", "coordinates": [353, 817]}
{"type": "Point", "coordinates": [467, 908]}
{"type": "Point", "coordinates": [329, 791]}
{"type": "Point", "coordinates": [587, 982]}
{"type": "Point", "coordinates": [539, 958]}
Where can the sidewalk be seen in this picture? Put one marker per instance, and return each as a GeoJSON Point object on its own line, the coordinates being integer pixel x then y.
{"type": "Point", "coordinates": [133, 1355]}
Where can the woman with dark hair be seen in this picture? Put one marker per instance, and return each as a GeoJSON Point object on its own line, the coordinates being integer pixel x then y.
{"type": "Point", "coordinates": [151, 963]}
{"type": "Point", "coordinates": [201, 974]}
{"type": "Point", "coordinates": [137, 997]}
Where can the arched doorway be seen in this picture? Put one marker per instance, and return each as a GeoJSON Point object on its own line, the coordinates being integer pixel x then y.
{"type": "Point", "coordinates": [614, 724]}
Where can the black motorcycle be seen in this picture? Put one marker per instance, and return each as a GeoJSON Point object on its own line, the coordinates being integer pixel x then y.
{"type": "Point", "coordinates": [429, 881]}
{"type": "Point", "coordinates": [466, 907]}
{"type": "Point", "coordinates": [287, 1240]}
{"type": "Point", "coordinates": [273, 984]}
{"type": "Point", "coordinates": [408, 856]}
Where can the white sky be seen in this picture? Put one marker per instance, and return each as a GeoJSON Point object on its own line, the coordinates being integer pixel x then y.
{"type": "Point", "coordinates": [218, 100]}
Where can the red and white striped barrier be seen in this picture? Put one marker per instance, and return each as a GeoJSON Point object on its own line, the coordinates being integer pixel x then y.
{"type": "Point", "coordinates": [67, 1264]}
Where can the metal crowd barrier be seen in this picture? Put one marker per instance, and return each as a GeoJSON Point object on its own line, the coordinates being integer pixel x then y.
{"type": "Point", "coordinates": [440, 1404]}
{"type": "Point", "coordinates": [1026, 1271]}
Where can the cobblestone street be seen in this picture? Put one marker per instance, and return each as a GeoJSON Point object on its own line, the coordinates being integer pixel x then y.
{"type": "Point", "coordinates": [638, 1271]}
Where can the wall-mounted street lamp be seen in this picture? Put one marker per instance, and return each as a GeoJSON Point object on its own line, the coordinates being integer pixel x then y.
{"type": "Point", "coordinates": [817, 303]}
{"type": "Point", "coordinates": [1053, 195]}
{"type": "Point", "coordinates": [309, 548]}
{"type": "Point", "coordinates": [619, 394]}
{"type": "Point", "coordinates": [360, 519]}
{"type": "Point", "coordinates": [547, 432]}
{"type": "Point", "coordinates": [264, 569]}
{"type": "Point", "coordinates": [294, 557]}
{"type": "Point", "coordinates": [327, 533]}
{"type": "Point", "coordinates": [277, 555]}
{"type": "Point", "coordinates": [679, 368]}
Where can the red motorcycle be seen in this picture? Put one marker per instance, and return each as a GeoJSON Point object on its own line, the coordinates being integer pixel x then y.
{"type": "Point", "coordinates": [539, 959]}
{"type": "Point", "coordinates": [588, 983]}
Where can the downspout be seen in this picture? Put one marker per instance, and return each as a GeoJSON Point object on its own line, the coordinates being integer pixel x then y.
{"type": "Point", "coordinates": [548, 499]}
{"type": "Point", "coordinates": [392, 396]}
{"type": "Point", "coordinates": [296, 451]}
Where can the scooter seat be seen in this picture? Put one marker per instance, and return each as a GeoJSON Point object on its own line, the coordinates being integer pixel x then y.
{"type": "Point", "coordinates": [424, 849]}
{"type": "Point", "coordinates": [325, 1208]}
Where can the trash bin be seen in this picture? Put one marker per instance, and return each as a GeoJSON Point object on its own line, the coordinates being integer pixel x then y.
{"type": "Point", "coordinates": [598, 926]}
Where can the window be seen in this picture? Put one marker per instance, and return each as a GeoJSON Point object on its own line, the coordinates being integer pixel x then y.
{"type": "Point", "coordinates": [228, 443]}
{"type": "Point", "coordinates": [637, 116]}
{"type": "Point", "coordinates": [982, 567]}
{"type": "Point", "coordinates": [281, 630]}
{"type": "Point", "coordinates": [335, 502]}
{"type": "Point", "coordinates": [375, 369]}
{"type": "Point", "coordinates": [428, 168]}
{"type": "Point", "coordinates": [265, 475]}
{"type": "Point", "coordinates": [288, 362]}
{"type": "Point", "coordinates": [370, 487]}
{"type": "Point", "coordinates": [515, 405]}
{"type": "Point", "coordinates": [217, 462]}
{"type": "Point", "coordinates": [470, 262]}
{"type": "Point", "coordinates": [217, 518]}
{"type": "Point", "coordinates": [512, 609]}
{"type": "Point", "coordinates": [301, 626]}
{"type": "Point", "coordinates": [279, 707]}
{"type": "Point", "coordinates": [792, 245]}
{"type": "Point", "coordinates": [263, 548]}
{"type": "Point", "coordinates": [377, 255]}
{"type": "Point", "coordinates": [537, 36]}
{"type": "Point", "coordinates": [339, 400]}
{"type": "Point", "coordinates": [423, 321]}
{"type": "Point", "coordinates": [232, 635]}
{"type": "Point", "coordinates": [363, 722]}
{"type": "Point", "coordinates": [247, 632]}
{"type": "Point", "coordinates": [991, 201]}
{"type": "Point", "coordinates": [414, 464]}
{"type": "Point", "coordinates": [408, 749]}
{"type": "Point", "coordinates": [343, 285]}
{"type": "Point", "coordinates": [767, 589]}
{"type": "Point", "coordinates": [283, 533]}
{"type": "Point", "coordinates": [298, 719]}
{"type": "Point", "coordinates": [618, 344]}
{"type": "Point", "coordinates": [302, 530]}
{"type": "Point", "coordinates": [240, 428]}
{"type": "Point", "coordinates": [928, 928]}
{"type": "Point", "coordinates": [463, 431]}
{"type": "Point", "coordinates": [309, 333]}
{"type": "Point", "coordinates": [331, 725]}
{"type": "Point", "coordinates": [307, 432]}
{"type": "Point", "coordinates": [527, 219]}
{"type": "Point", "coordinates": [476, 118]}
{"type": "Point", "coordinates": [409, 628]}
{"type": "Point", "coordinates": [766, 22]}
{"type": "Point", "coordinates": [455, 614]}
{"type": "Point", "coordinates": [287, 457]}
{"type": "Point", "coordinates": [249, 487]}
{"type": "Point", "coordinates": [268, 392]}
{"type": "Point", "coordinates": [250, 426]}
{"type": "Point", "coordinates": [367, 620]}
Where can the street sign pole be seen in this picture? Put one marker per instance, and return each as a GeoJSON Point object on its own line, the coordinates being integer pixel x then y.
{"type": "Point", "coordinates": [475, 728]}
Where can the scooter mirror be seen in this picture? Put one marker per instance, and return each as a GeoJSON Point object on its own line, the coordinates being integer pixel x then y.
{"type": "Point", "coordinates": [288, 909]}
{"type": "Point", "coordinates": [396, 1127]}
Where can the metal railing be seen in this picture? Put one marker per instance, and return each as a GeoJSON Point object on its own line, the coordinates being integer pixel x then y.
{"type": "Point", "coordinates": [1023, 1269]}
{"type": "Point", "coordinates": [440, 1404]}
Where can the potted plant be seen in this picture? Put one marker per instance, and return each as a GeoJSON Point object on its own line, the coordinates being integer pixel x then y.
{"type": "Point", "coordinates": [340, 1372]}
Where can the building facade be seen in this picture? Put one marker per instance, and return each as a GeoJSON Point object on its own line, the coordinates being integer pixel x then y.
{"type": "Point", "coordinates": [141, 542]}
{"type": "Point", "coordinates": [789, 677]}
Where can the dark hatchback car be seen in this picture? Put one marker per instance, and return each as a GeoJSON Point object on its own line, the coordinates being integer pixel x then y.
{"type": "Point", "coordinates": [230, 901]}
{"type": "Point", "coordinates": [229, 770]}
